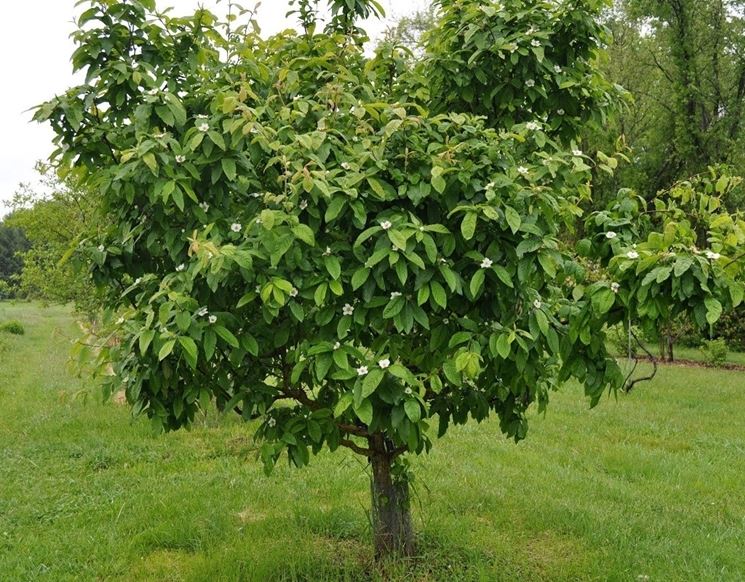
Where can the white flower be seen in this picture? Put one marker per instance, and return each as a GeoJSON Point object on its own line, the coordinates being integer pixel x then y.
{"type": "Point", "coordinates": [632, 255]}
{"type": "Point", "coordinates": [135, 65]}
{"type": "Point", "coordinates": [256, 195]}
{"type": "Point", "coordinates": [386, 224]}
{"type": "Point", "coordinates": [362, 370]}
{"type": "Point", "coordinates": [204, 206]}
{"type": "Point", "coordinates": [712, 256]}
{"type": "Point", "coordinates": [159, 135]}
{"type": "Point", "coordinates": [180, 268]}
{"type": "Point", "coordinates": [327, 252]}
{"type": "Point", "coordinates": [614, 287]}
{"type": "Point", "coordinates": [213, 319]}
{"type": "Point", "coordinates": [535, 42]}
{"type": "Point", "coordinates": [200, 116]}
{"type": "Point", "coordinates": [180, 159]}
{"type": "Point", "coordinates": [557, 69]}
{"type": "Point", "coordinates": [257, 288]}
{"type": "Point", "coordinates": [610, 235]}
{"type": "Point", "coordinates": [560, 111]}
{"type": "Point", "coordinates": [395, 294]}
{"type": "Point", "coordinates": [204, 127]}
{"type": "Point", "coordinates": [486, 263]}
{"type": "Point", "coordinates": [202, 311]}
{"type": "Point", "coordinates": [293, 292]}
{"type": "Point", "coordinates": [347, 309]}
{"type": "Point", "coordinates": [337, 345]}
{"type": "Point", "coordinates": [138, 280]}
{"type": "Point", "coordinates": [120, 321]}
{"type": "Point", "coordinates": [101, 248]}
{"type": "Point", "coordinates": [303, 204]}
{"type": "Point", "coordinates": [384, 363]}
{"type": "Point", "coordinates": [490, 186]}
{"type": "Point", "coordinates": [182, 94]}
{"type": "Point", "coordinates": [152, 92]}
{"type": "Point", "coordinates": [271, 422]}
{"type": "Point", "coordinates": [577, 153]}
{"type": "Point", "coordinates": [532, 126]}
{"type": "Point", "coordinates": [345, 165]}
{"type": "Point", "coordinates": [537, 304]}
{"type": "Point", "coordinates": [408, 391]}
{"type": "Point", "coordinates": [522, 170]}
{"type": "Point", "coordinates": [236, 227]}
{"type": "Point", "coordinates": [530, 83]}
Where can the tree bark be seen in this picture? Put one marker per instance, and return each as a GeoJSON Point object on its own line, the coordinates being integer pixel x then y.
{"type": "Point", "coordinates": [391, 510]}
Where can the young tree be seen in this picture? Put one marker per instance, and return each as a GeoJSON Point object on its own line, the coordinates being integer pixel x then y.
{"type": "Point", "coordinates": [339, 247]}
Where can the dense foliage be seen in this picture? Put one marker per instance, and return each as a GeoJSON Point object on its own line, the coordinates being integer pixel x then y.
{"type": "Point", "coordinates": [345, 247]}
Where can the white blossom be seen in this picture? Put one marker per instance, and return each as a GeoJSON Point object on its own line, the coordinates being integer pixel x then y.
{"type": "Point", "coordinates": [236, 227]}
{"type": "Point", "coordinates": [362, 371]}
{"type": "Point", "coordinates": [577, 153]}
{"type": "Point", "coordinates": [180, 159]}
{"type": "Point", "coordinates": [303, 204]}
{"type": "Point", "coordinates": [486, 263]}
{"type": "Point", "coordinates": [213, 319]}
{"type": "Point", "coordinates": [159, 135]}
{"type": "Point", "coordinates": [152, 92]}
{"type": "Point", "coordinates": [522, 170]}
{"type": "Point", "coordinates": [204, 127]}
{"type": "Point", "coordinates": [345, 165]}
{"type": "Point", "coordinates": [202, 311]}
{"type": "Point", "coordinates": [408, 391]}
{"type": "Point", "coordinates": [204, 206]}
{"type": "Point", "coordinates": [632, 255]}
{"type": "Point", "coordinates": [384, 363]}
{"type": "Point", "coordinates": [201, 116]}
{"type": "Point", "coordinates": [395, 294]}
{"type": "Point", "coordinates": [135, 65]}
{"type": "Point", "coordinates": [257, 288]}
{"type": "Point", "coordinates": [181, 268]}
{"type": "Point", "coordinates": [535, 42]}
{"type": "Point", "coordinates": [532, 126]}
{"type": "Point", "coordinates": [120, 321]}
{"type": "Point", "coordinates": [101, 248]}
{"type": "Point", "coordinates": [138, 280]}
{"type": "Point", "coordinates": [614, 287]}
{"type": "Point", "coordinates": [610, 235]}
{"type": "Point", "coordinates": [557, 69]}
{"type": "Point", "coordinates": [713, 256]}
{"type": "Point", "coordinates": [560, 111]}
{"type": "Point", "coordinates": [293, 292]}
{"type": "Point", "coordinates": [271, 422]}
{"type": "Point", "coordinates": [347, 309]}
{"type": "Point", "coordinates": [537, 304]}
{"type": "Point", "coordinates": [386, 224]}
{"type": "Point", "coordinates": [327, 252]}
{"type": "Point", "coordinates": [337, 345]}
{"type": "Point", "coordinates": [530, 83]}
{"type": "Point", "coordinates": [490, 186]}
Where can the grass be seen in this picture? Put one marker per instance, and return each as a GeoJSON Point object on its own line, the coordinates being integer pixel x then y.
{"type": "Point", "coordinates": [646, 485]}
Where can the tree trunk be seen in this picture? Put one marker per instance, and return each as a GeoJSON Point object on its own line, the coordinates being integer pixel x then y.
{"type": "Point", "coordinates": [391, 513]}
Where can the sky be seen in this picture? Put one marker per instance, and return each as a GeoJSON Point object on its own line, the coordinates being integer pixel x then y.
{"type": "Point", "coordinates": [36, 47]}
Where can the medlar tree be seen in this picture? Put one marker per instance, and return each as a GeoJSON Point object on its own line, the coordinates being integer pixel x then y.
{"type": "Point", "coordinates": [339, 246]}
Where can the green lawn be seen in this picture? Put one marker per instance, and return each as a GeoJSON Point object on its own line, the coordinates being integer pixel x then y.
{"type": "Point", "coordinates": [648, 485]}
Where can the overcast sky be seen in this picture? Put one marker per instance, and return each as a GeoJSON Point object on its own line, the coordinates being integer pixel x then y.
{"type": "Point", "coordinates": [36, 49]}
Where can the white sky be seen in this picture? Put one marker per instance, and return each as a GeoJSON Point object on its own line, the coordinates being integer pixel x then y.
{"type": "Point", "coordinates": [36, 49]}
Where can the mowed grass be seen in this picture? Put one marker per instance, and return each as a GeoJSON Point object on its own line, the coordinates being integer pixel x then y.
{"type": "Point", "coordinates": [649, 485]}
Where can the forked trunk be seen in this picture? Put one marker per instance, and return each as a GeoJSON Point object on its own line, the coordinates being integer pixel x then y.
{"type": "Point", "coordinates": [391, 512]}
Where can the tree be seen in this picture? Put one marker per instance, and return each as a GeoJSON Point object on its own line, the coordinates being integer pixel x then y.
{"type": "Point", "coordinates": [343, 248]}
{"type": "Point", "coordinates": [12, 244]}
{"type": "Point", "coordinates": [55, 219]}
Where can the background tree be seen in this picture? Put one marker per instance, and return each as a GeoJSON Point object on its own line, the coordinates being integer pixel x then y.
{"type": "Point", "coordinates": [13, 243]}
{"type": "Point", "coordinates": [55, 219]}
{"type": "Point", "coordinates": [348, 249]}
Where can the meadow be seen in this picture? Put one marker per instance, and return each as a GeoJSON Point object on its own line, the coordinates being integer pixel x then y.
{"type": "Point", "coordinates": [648, 486]}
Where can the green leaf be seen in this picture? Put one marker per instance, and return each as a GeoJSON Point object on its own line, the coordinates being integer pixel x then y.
{"type": "Point", "coordinates": [226, 335]}
{"type": "Point", "coordinates": [364, 411]}
{"type": "Point", "coordinates": [513, 219]}
{"type": "Point", "coordinates": [372, 381]}
{"type": "Point", "coordinates": [359, 278]}
{"type": "Point", "coordinates": [398, 239]}
{"type": "Point", "coordinates": [146, 337]}
{"type": "Point", "coordinates": [468, 226]}
{"type": "Point", "coordinates": [602, 300]}
{"type": "Point", "coordinates": [477, 282]}
{"type": "Point", "coordinates": [713, 310]}
{"type": "Point", "coordinates": [217, 139]}
{"type": "Point", "coordinates": [228, 166]}
{"type": "Point", "coordinates": [438, 294]}
{"type": "Point", "coordinates": [413, 410]}
{"type": "Point", "coordinates": [332, 266]}
{"type": "Point", "coordinates": [320, 294]}
{"type": "Point", "coordinates": [304, 233]}
{"type": "Point", "coordinates": [439, 184]}
{"type": "Point", "coordinates": [166, 350]}
{"type": "Point", "coordinates": [343, 405]}
{"type": "Point", "coordinates": [190, 350]}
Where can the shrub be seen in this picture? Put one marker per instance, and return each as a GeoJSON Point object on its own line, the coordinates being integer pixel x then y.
{"type": "Point", "coordinates": [619, 339]}
{"type": "Point", "coordinates": [14, 327]}
{"type": "Point", "coordinates": [715, 351]}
